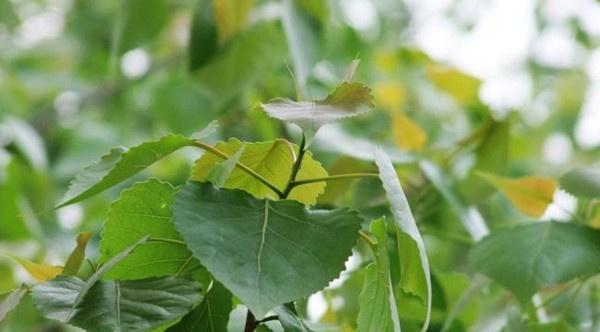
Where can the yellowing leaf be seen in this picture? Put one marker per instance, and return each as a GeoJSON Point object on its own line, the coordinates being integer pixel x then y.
{"type": "Point", "coordinates": [231, 16]}
{"type": "Point", "coordinates": [40, 272]}
{"type": "Point", "coordinates": [530, 194]}
{"type": "Point", "coordinates": [386, 61]}
{"type": "Point", "coordinates": [273, 160]}
{"type": "Point", "coordinates": [407, 133]}
{"type": "Point", "coordinates": [464, 88]}
{"type": "Point", "coordinates": [391, 95]}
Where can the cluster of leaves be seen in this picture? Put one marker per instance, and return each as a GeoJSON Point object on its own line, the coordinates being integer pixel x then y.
{"type": "Point", "coordinates": [259, 222]}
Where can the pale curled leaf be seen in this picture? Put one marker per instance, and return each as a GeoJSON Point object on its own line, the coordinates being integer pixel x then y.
{"type": "Point", "coordinates": [347, 100]}
{"type": "Point", "coordinates": [145, 210]}
{"type": "Point", "coordinates": [416, 276]}
{"type": "Point", "coordinates": [76, 258]}
{"type": "Point", "coordinates": [279, 250]}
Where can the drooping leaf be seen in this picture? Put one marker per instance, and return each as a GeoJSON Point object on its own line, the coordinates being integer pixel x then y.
{"type": "Point", "coordinates": [531, 194]}
{"type": "Point", "coordinates": [212, 315]}
{"type": "Point", "coordinates": [544, 254]}
{"type": "Point", "coordinates": [288, 317]}
{"type": "Point", "coordinates": [416, 278]}
{"type": "Point", "coordinates": [230, 16]}
{"type": "Point", "coordinates": [203, 42]}
{"type": "Point", "coordinates": [120, 164]}
{"type": "Point", "coordinates": [40, 272]}
{"type": "Point", "coordinates": [107, 306]}
{"type": "Point", "coordinates": [272, 160]}
{"type": "Point", "coordinates": [378, 311]}
{"type": "Point", "coordinates": [145, 210]}
{"type": "Point", "coordinates": [583, 182]}
{"type": "Point", "coordinates": [279, 250]}
{"type": "Point", "coordinates": [462, 87]}
{"type": "Point", "coordinates": [10, 301]}
{"type": "Point", "coordinates": [347, 100]}
{"type": "Point", "coordinates": [76, 258]}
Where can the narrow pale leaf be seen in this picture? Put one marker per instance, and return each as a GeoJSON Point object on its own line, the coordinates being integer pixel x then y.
{"type": "Point", "coordinates": [347, 100]}
{"type": "Point", "coordinates": [544, 254]}
{"type": "Point", "coordinates": [145, 210]}
{"type": "Point", "coordinates": [583, 182]}
{"type": "Point", "coordinates": [10, 301]}
{"type": "Point", "coordinates": [273, 160]}
{"type": "Point", "coordinates": [120, 164]}
{"type": "Point", "coordinates": [40, 272]}
{"type": "Point", "coordinates": [76, 258]}
{"type": "Point", "coordinates": [378, 310]}
{"type": "Point", "coordinates": [279, 250]}
{"type": "Point", "coordinates": [531, 194]}
{"type": "Point", "coordinates": [222, 171]}
{"type": "Point", "coordinates": [416, 278]}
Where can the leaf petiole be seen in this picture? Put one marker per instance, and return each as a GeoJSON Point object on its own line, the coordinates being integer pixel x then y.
{"type": "Point", "coordinates": [333, 178]}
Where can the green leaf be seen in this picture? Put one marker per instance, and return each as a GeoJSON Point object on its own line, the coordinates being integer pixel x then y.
{"type": "Point", "coordinates": [203, 42]}
{"type": "Point", "coordinates": [545, 254]}
{"type": "Point", "coordinates": [378, 311]}
{"type": "Point", "coordinates": [120, 164]}
{"type": "Point", "coordinates": [582, 182]}
{"type": "Point", "coordinates": [145, 210]}
{"type": "Point", "coordinates": [416, 278]}
{"type": "Point", "coordinates": [265, 252]}
{"type": "Point", "coordinates": [141, 22]}
{"type": "Point", "coordinates": [273, 160]}
{"type": "Point", "coordinates": [13, 225]}
{"type": "Point", "coordinates": [247, 57]}
{"type": "Point", "coordinates": [222, 171]}
{"type": "Point", "coordinates": [231, 16]}
{"type": "Point", "coordinates": [76, 258]}
{"type": "Point", "coordinates": [212, 315]}
{"type": "Point", "coordinates": [10, 301]}
{"type": "Point", "coordinates": [108, 306]}
{"type": "Point", "coordinates": [289, 319]}
{"type": "Point", "coordinates": [347, 100]}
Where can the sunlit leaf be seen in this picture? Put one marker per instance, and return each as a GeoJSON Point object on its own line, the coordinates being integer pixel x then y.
{"type": "Point", "coordinates": [145, 210]}
{"type": "Point", "coordinates": [272, 160]}
{"type": "Point", "coordinates": [230, 16]}
{"type": "Point", "coordinates": [222, 171]}
{"type": "Point", "coordinates": [268, 244]}
{"type": "Point", "coordinates": [415, 278]}
{"type": "Point", "coordinates": [583, 182]}
{"type": "Point", "coordinates": [378, 311]}
{"type": "Point", "coordinates": [544, 254]}
{"type": "Point", "coordinates": [531, 194]}
{"type": "Point", "coordinates": [390, 95]}
{"type": "Point", "coordinates": [347, 100]}
{"type": "Point", "coordinates": [40, 272]}
{"type": "Point", "coordinates": [407, 133]}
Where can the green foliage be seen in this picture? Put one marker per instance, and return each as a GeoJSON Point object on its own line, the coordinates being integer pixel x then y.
{"type": "Point", "coordinates": [211, 315]}
{"type": "Point", "coordinates": [229, 230]}
{"type": "Point", "coordinates": [584, 182]}
{"type": "Point", "coordinates": [546, 254]}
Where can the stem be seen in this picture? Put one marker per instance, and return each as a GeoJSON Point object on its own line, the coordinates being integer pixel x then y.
{"type": "Point", "coordinates": [251, 322]}
{"type": "Point", "coordinates": [295, 168]}
{"type": "Point", "coordinates": [333, 178]}
{"type": "Point", "coordinates": [268, 319]}
{"type": "Point", "coordinates": [367, 239]}
{"type": "Point", "coordinates": [165, 240]}
{"type": "Point", "coordinates": [241, 166]}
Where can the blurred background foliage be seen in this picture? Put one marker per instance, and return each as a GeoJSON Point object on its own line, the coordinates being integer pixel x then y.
{"type": "Point", "coordinates": [504, 87]}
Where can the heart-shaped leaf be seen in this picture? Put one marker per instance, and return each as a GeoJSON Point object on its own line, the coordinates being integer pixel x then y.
{"type": "Point", "coordinates": [265, 252]}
